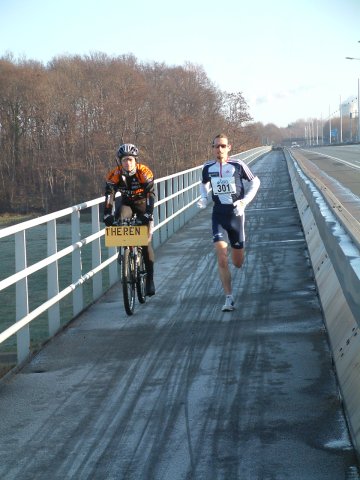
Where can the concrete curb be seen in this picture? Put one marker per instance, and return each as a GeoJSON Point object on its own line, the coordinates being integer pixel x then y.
{"type": "Point", "coordinates": [336, 264]}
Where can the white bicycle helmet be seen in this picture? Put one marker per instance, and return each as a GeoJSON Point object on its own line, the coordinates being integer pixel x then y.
{"type": "Point", "coordinates": [127, 149]}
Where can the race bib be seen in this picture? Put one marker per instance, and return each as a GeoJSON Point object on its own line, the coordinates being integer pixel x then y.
{"type": "Point", "coordinates": [223, 186]}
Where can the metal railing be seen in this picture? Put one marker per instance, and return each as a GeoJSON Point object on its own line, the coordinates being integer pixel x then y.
{"type": "Point", "coordinates": [177, 196]}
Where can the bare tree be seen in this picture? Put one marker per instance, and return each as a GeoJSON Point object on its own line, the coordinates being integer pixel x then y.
{"type": "Point", "coordinates": [60, 124]}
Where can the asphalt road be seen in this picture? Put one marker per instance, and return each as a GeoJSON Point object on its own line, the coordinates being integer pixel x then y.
{"type": "Point", "coordinates": [336, 170]}
{"type": "Point", "coordinates": [340, 162]}
{"type": "Point", "coordinates": [182, 390]}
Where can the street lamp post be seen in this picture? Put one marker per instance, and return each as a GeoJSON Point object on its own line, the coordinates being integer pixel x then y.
{"type": "Point", "coordinates": [341, 131]}
{"type": "Point", "coordinates": [358, 135]}
{"type": "Point", "coordinates": [358, 109]}
{"type": "Point", "coordinates": [322, 130]}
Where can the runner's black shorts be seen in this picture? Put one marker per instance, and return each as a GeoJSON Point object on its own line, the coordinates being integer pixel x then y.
{"type": "Point", "coordinates": [228, 228]}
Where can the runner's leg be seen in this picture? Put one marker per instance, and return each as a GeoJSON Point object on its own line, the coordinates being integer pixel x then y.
{"type": "Point", "coordinates": [237, 239]}
{"type": "Point", "coordinates": [223, 266]}
{"type": "Point", "coordinates": [126, 211]}
{"type": "Point", "coordinates": [237, 255]}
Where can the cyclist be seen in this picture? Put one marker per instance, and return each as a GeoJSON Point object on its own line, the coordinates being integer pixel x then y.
{"type": "Point", "coordinates": [224, 176]}
{"type": "Point", "coordinates": [135, 182]}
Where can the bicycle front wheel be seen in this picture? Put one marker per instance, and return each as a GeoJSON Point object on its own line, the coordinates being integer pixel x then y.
{"type": "Point", "coordinates": [128, 281]}
{"type": "Point", "coordinates": [141, 277]}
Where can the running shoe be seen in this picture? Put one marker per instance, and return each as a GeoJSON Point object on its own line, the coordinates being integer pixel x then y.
{"type": "Point", "coordinates": [229, 304]}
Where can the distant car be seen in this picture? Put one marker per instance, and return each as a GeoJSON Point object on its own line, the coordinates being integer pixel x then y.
{"type": "Point", "coordinates": [276, 147]}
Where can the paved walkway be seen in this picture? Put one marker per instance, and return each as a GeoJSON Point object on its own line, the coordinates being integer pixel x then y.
{"type": "Point", "coordinates": [182, 390]}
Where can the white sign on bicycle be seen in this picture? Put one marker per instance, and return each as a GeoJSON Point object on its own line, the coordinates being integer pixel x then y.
{"type": "Point", "coordinates": [126, 236]}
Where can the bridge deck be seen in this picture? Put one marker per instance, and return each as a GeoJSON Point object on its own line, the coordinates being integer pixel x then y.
{"type": "Point", "coordinates": [182, 390]}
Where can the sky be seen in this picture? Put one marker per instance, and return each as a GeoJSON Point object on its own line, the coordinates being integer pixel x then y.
{"type": "Point", "coordinates": [286, 57]}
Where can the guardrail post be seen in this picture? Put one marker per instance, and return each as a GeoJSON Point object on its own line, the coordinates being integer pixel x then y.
{"type": "Point", "coordinates": [156, 235]}
{"type": "Point", "coordinates": [195, 191]}
{"type": "Point", "coordinates": [96, 252]}
{"type": "Point", "coordinates": [162, 212]}
{"type": "Point", "coordinates": [181, 200]}
{"type": "Point", "coordinates": [186, 196]}
{"type": "Point", "coordinates": [22, 297]}
{"type": "Point", "coordinates": [52, 278]}
{"type": "Point", "coordinates": [170, 206]}
{"type": "Point", "coordinates": [176, 203]}
{"type": "Point", "coordinates": [78, 298]}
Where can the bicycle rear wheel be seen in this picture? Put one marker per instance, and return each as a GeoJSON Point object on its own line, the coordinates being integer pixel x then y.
{"type": "Point", "coordinates": [141, 277]}
{"type": "Point", "coordinates": [128, 281]}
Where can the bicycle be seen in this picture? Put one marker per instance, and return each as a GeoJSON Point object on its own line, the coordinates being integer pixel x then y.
{"type": "Point", "coordinates": [129, 235]}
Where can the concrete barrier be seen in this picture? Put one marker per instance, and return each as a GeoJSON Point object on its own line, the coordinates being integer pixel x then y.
{"type": "Point", "coordinates": [336, 263]}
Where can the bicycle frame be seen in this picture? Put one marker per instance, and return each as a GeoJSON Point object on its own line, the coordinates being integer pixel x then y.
{"type": "Point", "coordinates": [133, 275]}
{"type": "Point", "coordinates": [130, 239]}
{"type": "Point", "coordinates": [130, 236]}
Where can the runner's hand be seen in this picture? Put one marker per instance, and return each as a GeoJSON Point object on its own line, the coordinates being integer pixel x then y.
{"type": "Point", "coordinates": [239, 208]}
{"type": "Point", "coordinates": [146, 218]}
{"type": "Point", "coordinates": [202, 202]}
{"type": "Point", "coordinates": [109, 220]}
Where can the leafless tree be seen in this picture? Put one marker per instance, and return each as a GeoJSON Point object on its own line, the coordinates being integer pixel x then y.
{"type": "Point", "coordinates": [60, 124]}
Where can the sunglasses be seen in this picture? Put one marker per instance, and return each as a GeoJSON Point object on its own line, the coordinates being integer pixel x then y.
{"type": "Point", "coordinates": [221, 145]}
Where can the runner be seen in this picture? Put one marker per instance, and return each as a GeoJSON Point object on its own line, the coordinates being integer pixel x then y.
{"type": "Point", "coordinates": [224, 176]}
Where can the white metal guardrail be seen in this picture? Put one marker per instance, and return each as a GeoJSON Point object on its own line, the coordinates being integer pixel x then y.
{"type": "Point", "coordinates": [177, 195]}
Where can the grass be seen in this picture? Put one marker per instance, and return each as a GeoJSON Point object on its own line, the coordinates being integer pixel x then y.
{"type": "Point", "coordinates": [7, 219]}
